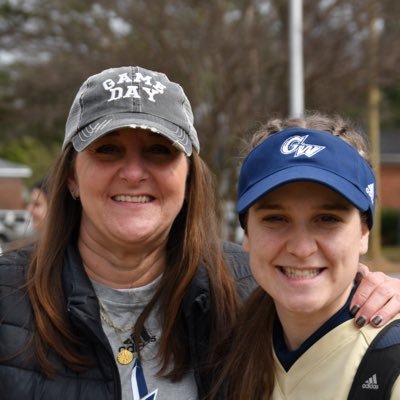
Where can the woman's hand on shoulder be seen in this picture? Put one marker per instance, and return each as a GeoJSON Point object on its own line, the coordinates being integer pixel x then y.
{"type": "Point", "coordinates": [377, 298]}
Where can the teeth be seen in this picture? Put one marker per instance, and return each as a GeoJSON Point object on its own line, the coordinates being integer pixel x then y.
{"type": "Point", "coordinates": [300, 273]}
{"type": "Point", "coordinates": [133, 199]}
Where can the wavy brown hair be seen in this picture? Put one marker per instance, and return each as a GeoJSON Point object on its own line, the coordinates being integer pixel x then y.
{"type": "Point", "coordinates": [247, 369]}
{"type": "Point", "coordinates": [193, 241]}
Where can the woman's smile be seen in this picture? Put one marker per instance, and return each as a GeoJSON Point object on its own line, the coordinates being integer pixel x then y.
{"type": "Point", "coordinates": [305, 241]}
{"type": "Point", "coordinates": [132, 199]}
{"type": "Point", "coordinates": [131, 184]}
{"type": "Point", "coordinates": [300, 273]}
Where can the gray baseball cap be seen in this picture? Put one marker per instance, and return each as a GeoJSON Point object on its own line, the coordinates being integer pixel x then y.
{"type": "Point", "coordinates": [132, 97]}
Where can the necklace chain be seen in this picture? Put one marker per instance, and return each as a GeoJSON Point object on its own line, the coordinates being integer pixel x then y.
{"type": "Point", "coordinates": [124, 355]}
{"type": "Point", "coordinates": [105, 316]}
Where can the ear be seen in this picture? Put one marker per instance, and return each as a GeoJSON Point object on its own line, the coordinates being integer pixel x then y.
{"type": "Point", "coordinates": [364, 239]}
{"type": "Point", "coordinates": [245, 243]}
{"type": "Point", "coordinates": [73, 184]}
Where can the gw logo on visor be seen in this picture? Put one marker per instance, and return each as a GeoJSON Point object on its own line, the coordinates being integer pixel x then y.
{"type": "Point", "coordinates": [295, 144]}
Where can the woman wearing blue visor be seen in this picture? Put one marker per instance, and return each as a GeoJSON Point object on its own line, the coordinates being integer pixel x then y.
{"type": "Point", "coordinates": [306, 202]}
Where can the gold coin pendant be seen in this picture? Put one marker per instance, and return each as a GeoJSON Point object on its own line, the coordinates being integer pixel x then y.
{"type": "Point", "coordinates": [124, 357]}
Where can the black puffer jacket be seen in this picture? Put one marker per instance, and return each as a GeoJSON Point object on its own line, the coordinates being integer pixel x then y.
{"type": "Point", "coordinates": [20, 377]}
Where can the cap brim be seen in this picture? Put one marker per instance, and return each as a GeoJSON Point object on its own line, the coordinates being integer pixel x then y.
{"type": "Point", "coordinates": [101, 127]}
{"type": "Point", "coordinates": [303, 173]}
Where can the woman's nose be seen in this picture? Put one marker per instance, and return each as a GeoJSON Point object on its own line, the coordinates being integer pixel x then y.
{"type": "Point", "coordinates": [301, 243]}
{"type": "Point", "coordinates": [134, 168]}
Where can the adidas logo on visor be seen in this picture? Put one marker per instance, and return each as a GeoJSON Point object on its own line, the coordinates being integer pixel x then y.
{"type": "Point", "coordinates": [370, 189]}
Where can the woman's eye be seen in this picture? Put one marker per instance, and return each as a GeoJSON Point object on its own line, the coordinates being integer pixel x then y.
{"type": "Point", "coordinates": [328, 218]}
{"type": "Point", "coordinates": [107, 149]}
{"type": "Point", "coordinates": [273, 218]}
{"type": "Point", "coordinates": [159, 149]}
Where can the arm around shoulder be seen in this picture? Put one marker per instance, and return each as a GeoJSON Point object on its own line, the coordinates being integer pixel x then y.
{"type": "Point", "coordinates": [237, 261]}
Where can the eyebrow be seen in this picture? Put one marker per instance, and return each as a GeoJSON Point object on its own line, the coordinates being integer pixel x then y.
{"type": "Point", "coordinates": [345, 206]}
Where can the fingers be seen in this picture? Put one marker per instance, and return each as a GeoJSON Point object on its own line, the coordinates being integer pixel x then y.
{"type": "Point", "coordinates": [362, 271]}
{"type": "Point", "coordinates": [376, 300]}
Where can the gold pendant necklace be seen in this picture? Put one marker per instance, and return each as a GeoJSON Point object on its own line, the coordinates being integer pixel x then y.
{"type": "Point", "coordinates": [124, 356]}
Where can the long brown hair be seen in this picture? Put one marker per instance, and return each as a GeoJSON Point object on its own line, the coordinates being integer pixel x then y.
{"type": "Point", "coordinates": [193, 241]}
{"type": "Point", "coordinates": [246, 369]}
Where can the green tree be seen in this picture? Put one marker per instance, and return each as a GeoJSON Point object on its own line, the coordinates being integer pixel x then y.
{"type": "Point", "coordinates": [31, 152]}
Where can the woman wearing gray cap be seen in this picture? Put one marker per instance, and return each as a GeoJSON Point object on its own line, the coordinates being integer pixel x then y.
{"type": "Point", "coordinates": [127, 290]}
{"type": "Point", "coordinates": [306, 199]}
{"type": "Point", "coordinates": [127, 282]}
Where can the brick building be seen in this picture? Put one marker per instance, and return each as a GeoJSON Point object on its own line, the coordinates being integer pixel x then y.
{"type": "Point", "coordinates": [390, 170]}
{"type": "Point", "coordinates": [12, 185]}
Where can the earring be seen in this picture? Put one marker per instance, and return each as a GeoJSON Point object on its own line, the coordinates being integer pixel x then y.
{"type": "Point", "coordinates": [74, 195]}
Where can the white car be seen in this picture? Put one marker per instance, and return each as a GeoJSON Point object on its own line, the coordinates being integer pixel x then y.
{"type": "Point", "coordinates": [14, 225]}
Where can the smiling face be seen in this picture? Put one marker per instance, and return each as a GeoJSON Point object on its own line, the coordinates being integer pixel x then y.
{"type": "Point", "coordinates": [304, 242]}
{"type": "Point", "coordinates": [131, 184]}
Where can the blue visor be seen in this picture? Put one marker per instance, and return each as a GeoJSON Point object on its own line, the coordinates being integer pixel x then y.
{"type": "Point", "coordinates": [297, 154]}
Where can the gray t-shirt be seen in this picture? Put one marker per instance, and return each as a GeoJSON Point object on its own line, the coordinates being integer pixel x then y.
{"type": "Point", "coordinates": [139, 380]}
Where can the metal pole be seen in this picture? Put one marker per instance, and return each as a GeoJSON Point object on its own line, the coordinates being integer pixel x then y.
{"type": "Point", "coordinates": [296, 84]}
